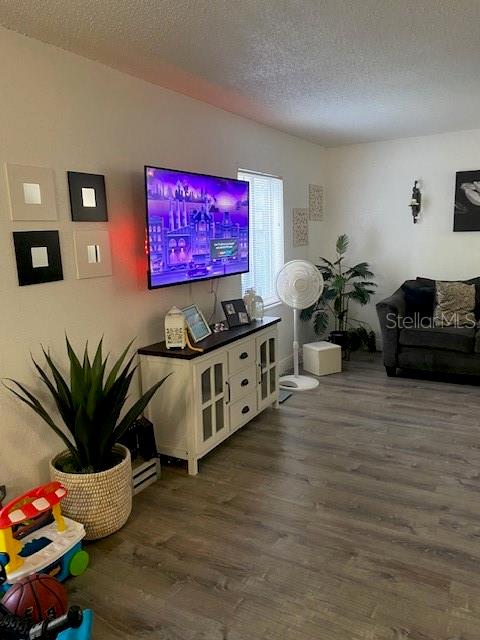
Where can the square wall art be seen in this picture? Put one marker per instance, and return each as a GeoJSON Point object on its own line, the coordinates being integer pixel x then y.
{"type": "Point", "coordinates": [466, 216]}
{"type": "Point", "coordinates": [31, 191]}
{"type": "Point", "coordinates": [300, 227]}
{"type": "Point", "coordinates": [38, 256]}
{"type": "Point", "coordinates": [88, 200]}
{"type": "Point", "coordinates": [92, 253]}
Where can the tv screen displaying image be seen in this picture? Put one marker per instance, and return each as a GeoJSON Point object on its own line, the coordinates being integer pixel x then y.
{"type": "Point", "coordinates": [197, 226]}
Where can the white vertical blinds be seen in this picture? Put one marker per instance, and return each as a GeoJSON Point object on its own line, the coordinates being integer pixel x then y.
{"type": "Point", "coordinates": [266, 233]}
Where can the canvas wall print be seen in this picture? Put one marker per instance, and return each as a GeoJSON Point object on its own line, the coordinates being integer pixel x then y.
{"type": "Point", "coordinates": [197, 226]}
{"type": "Point", "coordinates": [31, 192]}
{"type": "Point", "coordinates": [467, 201]}
{"type": "Point", "coordinates": [38, 257]}
{"type": "Point", "coordinates": [315, 202]}
{"type": "Point", "coordinates": [88, 199]}
{"type": "Point", "coordinates": [300, 227]}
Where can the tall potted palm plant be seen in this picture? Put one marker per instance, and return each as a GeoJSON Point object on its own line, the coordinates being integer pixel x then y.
{"type": "Point", "coordinates": [94, 467]}
{"type": "Point", "coordinates": [343, 285]}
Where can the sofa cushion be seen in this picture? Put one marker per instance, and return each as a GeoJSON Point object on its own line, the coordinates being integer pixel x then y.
{"type": "Point", "coordinates": [476, 347]}
{"type": "Point", "coordinates": [447, 338]}
{"type": "Point", "coordinates": [455, 304]}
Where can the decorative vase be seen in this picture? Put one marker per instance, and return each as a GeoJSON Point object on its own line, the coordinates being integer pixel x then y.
{"type": "Point", "coordinates": [248, 298]}
{"type": "Point", "coordinates": [257, 307]}
{"type": "Point", "coordinates": [100, 501]}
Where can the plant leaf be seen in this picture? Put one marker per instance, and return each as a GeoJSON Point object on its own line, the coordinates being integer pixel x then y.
{"type": "Point", "coordinates": [116, 367]}
{"type": "Point", "coordinates": [320, 323]}
{"type": "Point", "coordinates": [135, 411]}
{"type": "Point", "coordinates": [77, 377]}
{"type": "Point", "coordinates": [360, 270]}
{"type": "Point", "coordinates": [307, 314]}
{"type": "Point", "coordinates": [342, 244]}
{"type": "Point", "coordinates": [30, 400]}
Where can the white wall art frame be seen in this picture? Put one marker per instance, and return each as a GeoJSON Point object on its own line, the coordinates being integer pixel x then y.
{"type": "Point", "coordinates": [300, 227]}
{"type": "Point", "coordinates": [31, 192]}
{"type": "Point", "coordinates": [92, 253]}
{"type": "Point", "coordinates": [315, 202]}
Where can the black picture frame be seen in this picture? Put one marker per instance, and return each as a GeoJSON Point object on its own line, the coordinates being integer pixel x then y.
{"type": "Point", "coordinates": [81, 213]}
{"type": "Point", "coordinates": [235, 313]}
{"type": "Point", "coordinates": [48, 244]}
{"type": "Point", "coordinates": [466, 216]}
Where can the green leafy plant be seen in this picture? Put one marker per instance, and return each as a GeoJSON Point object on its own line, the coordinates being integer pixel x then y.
{"type": "Point", "coordinates": [90, 406]}
{"type": "Point", "coordinates": [343, 285]}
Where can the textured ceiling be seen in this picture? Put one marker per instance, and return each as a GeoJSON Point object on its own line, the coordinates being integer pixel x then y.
{"type": "Point", "coordinates": [331, 71]}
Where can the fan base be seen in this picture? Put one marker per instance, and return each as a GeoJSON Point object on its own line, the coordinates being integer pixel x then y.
{"type": "Point", "coordinates": [298, 383]}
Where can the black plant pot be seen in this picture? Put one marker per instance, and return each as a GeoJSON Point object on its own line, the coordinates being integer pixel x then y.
{"type": "Point", "coordinates": [341, 338]}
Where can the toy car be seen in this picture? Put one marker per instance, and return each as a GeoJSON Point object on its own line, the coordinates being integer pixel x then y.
{"type": "Point", "coordinates": [36, 538]}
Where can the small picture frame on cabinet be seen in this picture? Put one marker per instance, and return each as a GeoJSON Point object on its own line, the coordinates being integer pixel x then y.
{"type": "Point", "coordinates": [235, 312]}
{"type": "Point", "coordinates": [196, 323]}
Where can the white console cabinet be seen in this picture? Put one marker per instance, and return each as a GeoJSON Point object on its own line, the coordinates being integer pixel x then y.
{"type": "Point", "coordinates": [210, 394]}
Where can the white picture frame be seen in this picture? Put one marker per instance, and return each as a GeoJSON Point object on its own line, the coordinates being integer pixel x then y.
{"type": "Point", "coordinates": [196, 323]}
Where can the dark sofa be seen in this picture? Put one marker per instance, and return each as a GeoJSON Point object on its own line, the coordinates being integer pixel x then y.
{"type": "Point", "coordinates": [411, 342]}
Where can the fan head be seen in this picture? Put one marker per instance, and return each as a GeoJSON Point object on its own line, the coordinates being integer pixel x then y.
{"type": "Point", "coordinates": [299, 284]}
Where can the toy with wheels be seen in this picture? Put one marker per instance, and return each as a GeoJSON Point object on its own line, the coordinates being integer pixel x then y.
{"type": "Point", "coordinates": [36, 538]}
{"type": "Point", "coordinates": [75, 624]}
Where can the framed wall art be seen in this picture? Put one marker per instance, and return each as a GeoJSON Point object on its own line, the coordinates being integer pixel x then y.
{"type": "Point", "coordinates": [31, 192]}
{"type": "Point", "coordinates": [466, 216]}
{"type": "Point", "coordinates": [88, 199]}
{"type": "Point", "coordinates": [92, 253]}
{"type": "Point", "coordinates": [38, 256]}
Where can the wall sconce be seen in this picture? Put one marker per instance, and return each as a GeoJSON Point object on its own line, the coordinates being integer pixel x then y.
{"type": "Point", "coordinates": [416, 201]}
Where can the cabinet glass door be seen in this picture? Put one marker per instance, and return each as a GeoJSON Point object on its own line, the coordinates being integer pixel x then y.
{"type": "Point", "coordinates": [212, 419]}
{"type": "Point", "coordinates": [267, 362]}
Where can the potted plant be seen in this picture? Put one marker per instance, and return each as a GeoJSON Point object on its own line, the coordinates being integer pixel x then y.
{"type": "Point", "coordinates": [343, 285]}
{"type": "Point", "coordinates": [94, 467]}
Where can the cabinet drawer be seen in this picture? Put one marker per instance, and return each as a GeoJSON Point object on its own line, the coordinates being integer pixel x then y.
{"type": "Point", "coordinates": [241, 357]}
{"type": "Point", "coordinates": [243, 411]}
{"type": "Point", "coordinates": [241, 384]}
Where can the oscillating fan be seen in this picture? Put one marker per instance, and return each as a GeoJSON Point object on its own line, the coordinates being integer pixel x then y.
{"type": "Point", "coordinates": [299, 285]}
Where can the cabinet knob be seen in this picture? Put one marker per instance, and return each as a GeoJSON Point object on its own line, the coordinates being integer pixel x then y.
{"type": "Point", "coordinates": [243, 355]}
{"type": "Point", "coordinates": [246, 409]}
{"type": "Point", "coordinates": [244, 382]}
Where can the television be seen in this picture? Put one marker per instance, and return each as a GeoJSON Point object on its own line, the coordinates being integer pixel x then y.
{"type": "Point", "coordinates": [197, 226]}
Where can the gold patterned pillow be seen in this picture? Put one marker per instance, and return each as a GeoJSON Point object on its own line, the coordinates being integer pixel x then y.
{"type": "Point", "coordinates": [455, 304]}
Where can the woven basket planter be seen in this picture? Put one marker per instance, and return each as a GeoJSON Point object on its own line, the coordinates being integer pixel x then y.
{"type": "Point", "coordinates": [100, 501]}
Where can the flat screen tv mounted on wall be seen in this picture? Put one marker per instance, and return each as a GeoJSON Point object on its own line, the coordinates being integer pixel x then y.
{"type": "Point", "coordinates": [197, 226]}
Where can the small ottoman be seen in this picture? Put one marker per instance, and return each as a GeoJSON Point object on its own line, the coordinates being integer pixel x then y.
{"type": "Point", "coordinates": [322, 358]}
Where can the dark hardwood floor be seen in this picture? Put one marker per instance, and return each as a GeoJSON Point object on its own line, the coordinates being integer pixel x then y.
{"type": "Point", "coordinates": [351, 513]}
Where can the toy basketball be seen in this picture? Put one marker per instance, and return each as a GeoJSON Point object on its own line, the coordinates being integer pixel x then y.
{"type": "Point", "coordinates": [36, 597]}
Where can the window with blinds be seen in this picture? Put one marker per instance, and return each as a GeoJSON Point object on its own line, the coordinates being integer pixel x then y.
{"type": "Point", "coordinates": [266, 233]}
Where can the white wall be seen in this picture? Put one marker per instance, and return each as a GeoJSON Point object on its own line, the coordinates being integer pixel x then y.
{"type": "Point", "coordinates": [59, 110]}
{"type": "Point", "coordinates": [368, 189]}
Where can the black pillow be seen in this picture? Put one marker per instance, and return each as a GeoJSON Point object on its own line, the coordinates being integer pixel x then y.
{"type": "Point", "coordinates": [419, 300]}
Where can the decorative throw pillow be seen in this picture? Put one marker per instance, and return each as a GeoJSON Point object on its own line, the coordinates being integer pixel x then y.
{"type": "Point", "coordinates": [455, 304]}
{"type": "Point", "coordinates": [419, 301]}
